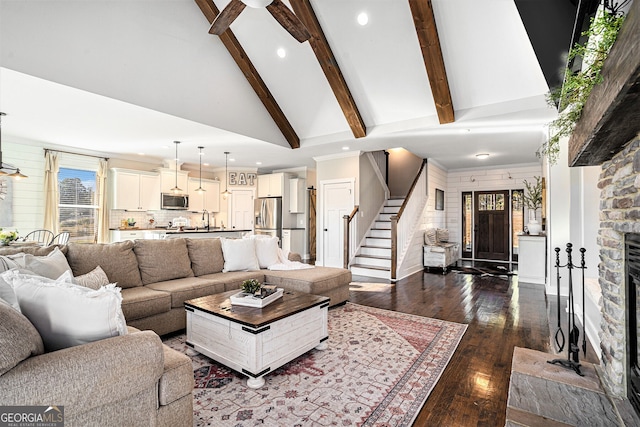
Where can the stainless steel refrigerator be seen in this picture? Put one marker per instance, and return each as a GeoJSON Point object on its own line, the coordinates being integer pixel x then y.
{"type": "Point", "coordinates": [268, 215]}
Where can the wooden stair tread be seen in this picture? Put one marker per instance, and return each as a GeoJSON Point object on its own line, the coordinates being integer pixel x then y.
{"type": "Point", "coordinates": [374, 257]}
{"type": "Point", "coordinates": [371, 267]}
{"type": "Point", "coordinates": [375, 247]}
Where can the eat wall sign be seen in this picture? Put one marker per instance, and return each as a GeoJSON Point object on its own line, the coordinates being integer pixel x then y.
{"type": "Point", "coordinates": [242, 178]}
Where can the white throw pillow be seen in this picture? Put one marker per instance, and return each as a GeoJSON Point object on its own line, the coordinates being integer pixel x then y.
{"type": "Point", "coordinates": [65, 314]}
{"type": "Point", "coordinates": [94, 279]}
{"type": "Point", "coordinates": [51, 266]}
{"type": "Point", "coordinates": [266, 250]}
{"type": "Point", "coordinates": [6, 291]}
{"type": "Point", "coordinates": [239, 255]}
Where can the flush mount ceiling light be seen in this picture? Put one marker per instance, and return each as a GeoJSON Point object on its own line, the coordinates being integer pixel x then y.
{"type": "Point", "coordinates": [4, 167]}
{"type": "Point", "coordinates": [226, 193]}
{"type": "Point", "coordinates": [363, 18]}
{"type": "Point", "coordinates": [482, 156]}
{"type": "Point", "coordinates": [200, 189]}
{"type": "Point", "coordinates": [176, 189]}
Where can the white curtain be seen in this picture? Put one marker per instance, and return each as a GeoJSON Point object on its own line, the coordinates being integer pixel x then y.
{"type": "Point", "coordinates": [103, 211]}
{"type": "Point", "coordinates": [51, 191]}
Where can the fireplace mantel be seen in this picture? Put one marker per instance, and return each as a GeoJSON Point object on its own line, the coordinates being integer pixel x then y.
{"type": "Point", "coordinates": [611, 116]}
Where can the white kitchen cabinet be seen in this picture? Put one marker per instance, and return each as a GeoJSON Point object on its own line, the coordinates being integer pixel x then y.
{"type": "Point", "coordinates": [135, 190]}
{"type": "Point", "coordinates": [168, 180]}
{"type": "Point", "coordinates": [293, 241]}
{"type": "Point", "coordinates": [209, 199]}
{"type": "Point", "coordinates": [123, 235]}
{"type": "Point", "coordinates": [532, 255]}
{"type": "Point", "coordinates": [296, 195]}
{"type": "Point", "coordinates": [271, 185]}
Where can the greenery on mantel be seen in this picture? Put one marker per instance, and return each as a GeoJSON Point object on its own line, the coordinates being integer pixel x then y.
{"type": "Point", "coordinates": [571, 97]}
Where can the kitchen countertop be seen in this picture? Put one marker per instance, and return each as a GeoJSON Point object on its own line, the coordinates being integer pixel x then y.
{"type": "Point", "coordinates": [186, 230]}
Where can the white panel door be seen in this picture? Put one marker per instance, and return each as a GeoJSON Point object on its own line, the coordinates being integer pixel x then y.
{"type": "Point", "coordinates": [337, 201]}
{"type": "Point", "coordinates": [242, 210]}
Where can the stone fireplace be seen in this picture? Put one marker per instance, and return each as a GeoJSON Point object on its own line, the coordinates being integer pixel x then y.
{"type": "Point", "coordinates": [619, 223]}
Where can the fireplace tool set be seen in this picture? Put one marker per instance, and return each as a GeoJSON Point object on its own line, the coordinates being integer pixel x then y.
{"type": "Point", "coordinates": [573, 347]}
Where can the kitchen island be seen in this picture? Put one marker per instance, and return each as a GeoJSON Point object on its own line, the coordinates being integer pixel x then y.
{"type": "Point", "coordinates": [120, 235]}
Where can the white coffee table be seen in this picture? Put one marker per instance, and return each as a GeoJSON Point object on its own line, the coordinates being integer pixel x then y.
{"type": "Point", "coordinates": [256, 341]}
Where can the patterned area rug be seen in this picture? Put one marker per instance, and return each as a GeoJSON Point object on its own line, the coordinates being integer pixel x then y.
{"type": "Point", "coordinates": [378, 371]}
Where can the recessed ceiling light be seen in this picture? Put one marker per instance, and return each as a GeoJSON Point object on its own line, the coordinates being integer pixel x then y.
{"type": "Point", "coordinates": [258, 163]}
{"type": "Point", "coordinates": [140, 154]}
{"type": "Point", "coordinates": [232, 160]}
{"type": "Point", "coordinates": [482, 156]}
{"type": "Point", "coordinates": [205, 164]}
{"type": "Point", "coordinates": [363, 18]}
{"type": "Point", "coordinates": [281, 52]}
{"type": "Point", "coordinates": [345, 148]}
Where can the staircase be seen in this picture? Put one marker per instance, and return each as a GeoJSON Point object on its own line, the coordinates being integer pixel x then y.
{"type": "Point", "coordinates": [374, 257]}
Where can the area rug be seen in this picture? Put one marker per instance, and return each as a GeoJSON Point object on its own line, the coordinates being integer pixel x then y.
{"type": "Point", "coordinates": [483, 271]}
{"type": "Point", "coordinates": [378, 371]}
{"type": "Point", "coordinates": [370, 287]}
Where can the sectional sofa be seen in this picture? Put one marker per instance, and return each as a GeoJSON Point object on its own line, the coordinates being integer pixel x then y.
{"type": "Point", "coordinates": [134, 379]}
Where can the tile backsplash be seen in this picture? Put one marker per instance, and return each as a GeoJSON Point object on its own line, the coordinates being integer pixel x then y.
{"type": "Point", "coordinates": [162, 218]}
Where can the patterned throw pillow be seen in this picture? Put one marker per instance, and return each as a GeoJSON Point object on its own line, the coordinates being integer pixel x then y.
{"type": "Point", "coordinates": [94, 279]}
{"type": "Point", "coordinates": [430, 237]}
{"type": "Point", "coordinates": [442, 235]}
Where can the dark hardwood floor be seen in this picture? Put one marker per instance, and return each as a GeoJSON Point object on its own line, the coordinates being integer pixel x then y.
{"type": "Point", "coordinates": [500, 313]}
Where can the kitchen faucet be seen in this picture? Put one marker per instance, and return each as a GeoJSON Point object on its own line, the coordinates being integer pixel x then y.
{"type": "Point", "coordinates": [204, 211]}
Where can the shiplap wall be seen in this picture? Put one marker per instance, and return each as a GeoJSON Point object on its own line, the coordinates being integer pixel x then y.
{"type": "Point", "coordinates": [28, 194]}
{"type": "Point", "coordinates": [482, 179]}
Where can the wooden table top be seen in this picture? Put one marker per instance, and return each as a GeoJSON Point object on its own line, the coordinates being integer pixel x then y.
{"type": "Point", "coordinates": [290, 303]}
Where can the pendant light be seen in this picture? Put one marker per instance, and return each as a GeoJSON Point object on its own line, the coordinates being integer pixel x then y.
{"type": "Point", "coordinates": [200, 189]}
{"type": "Point", "coordinates": [226, 193]}
{"type": "Point", "coordinates": [16, 175]}
{"type": "Point", "coordinates": [176, 189]}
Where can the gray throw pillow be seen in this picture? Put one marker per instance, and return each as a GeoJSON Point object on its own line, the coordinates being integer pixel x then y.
{"type": "Point", "coordinates": [19, 339]}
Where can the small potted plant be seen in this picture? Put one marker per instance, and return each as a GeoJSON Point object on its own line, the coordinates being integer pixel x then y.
{"type": "Point", "coordinates": [251, 286]}
{"type": "Point", "coordinates": [533, 201]}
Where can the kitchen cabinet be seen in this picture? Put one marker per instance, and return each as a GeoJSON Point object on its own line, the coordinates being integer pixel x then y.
{"type": "Point", "coordinates": [209, 199]}
{"type": "Point", "coordinates": [135, 190]}
{"type": "Point", "coordinates": [168, 180]}
{"type": "Point", "coordinates": [293, 241]}
{"type": "Point", "coordinates": [271, 185]}
{"type": "Point", "coordinates": [532, 256]}
{"type": "Point", "coordinates": [123, 235]}
{"type": "Point", "coordinates": [296, 195]}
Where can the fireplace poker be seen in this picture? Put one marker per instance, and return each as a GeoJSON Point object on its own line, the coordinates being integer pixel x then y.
{"type": "Point", "coordinates": [584, 320]}
{"type": "Point", "coordinates": [559, 336]}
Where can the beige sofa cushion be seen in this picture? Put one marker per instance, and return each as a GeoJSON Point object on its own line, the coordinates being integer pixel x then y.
{"type": "Point", "coordinates": [19, 339]}
{"type": "Point", "coordinates": [117, 260]}
{"type": "Point", "coordinates": [33, 250]}
{"type": "Point", "coordinates": [315, 281]}
{"type": "Point", "coordinates": [206, 256]}
{"type": "Point", "coordinates": [161, 260]}
{"type": "Point", "coordinates": [177, 379]}
{"type": "Point", "coordinates": [187, 288]}
{"type": "Point", "coordinates": [142, 302]}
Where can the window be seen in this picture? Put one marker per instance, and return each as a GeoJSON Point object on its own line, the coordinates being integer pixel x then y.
{"type": "Point", "coordinates": [78, 205]}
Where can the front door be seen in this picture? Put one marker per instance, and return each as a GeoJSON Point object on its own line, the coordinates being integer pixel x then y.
{"type": "Point", "coordinates": [492, 225]}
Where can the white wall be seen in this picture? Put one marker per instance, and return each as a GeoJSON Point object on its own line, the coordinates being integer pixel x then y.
{"type": "Point", "coordinates": [28, 194]}
{"type": "Point", "coordinates": [573, 212]}
{"type": "Point", "coordinates": [459, 181]}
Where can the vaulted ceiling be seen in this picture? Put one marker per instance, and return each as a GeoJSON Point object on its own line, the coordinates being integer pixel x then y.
{"type": "Point", "coordinates": [129, 77]}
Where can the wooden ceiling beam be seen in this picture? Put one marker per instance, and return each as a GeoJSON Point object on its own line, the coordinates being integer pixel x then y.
{"type": "Point", "coordinates": [232, 44]}
{"type": "Point", "coordinates": [326, 59]}
{"type": "Point", "coordinates": [425, 22]}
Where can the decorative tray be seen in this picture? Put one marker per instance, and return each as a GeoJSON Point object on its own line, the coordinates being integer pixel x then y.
{"type": "Point", "coordinates": [248, 300]}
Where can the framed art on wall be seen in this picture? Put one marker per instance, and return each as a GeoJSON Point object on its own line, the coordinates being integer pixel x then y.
{"type": "Point", "coordinates": [439, 200]}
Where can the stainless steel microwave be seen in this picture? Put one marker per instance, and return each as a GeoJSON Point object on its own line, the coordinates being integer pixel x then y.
{"type": "Point", "coordinates": [175, 201]}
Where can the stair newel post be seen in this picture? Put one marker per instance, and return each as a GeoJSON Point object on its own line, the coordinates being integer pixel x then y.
{"type": "Point", "coordinates": [394, 245]}
{"type": "Point", "coordinates": [345, 255]}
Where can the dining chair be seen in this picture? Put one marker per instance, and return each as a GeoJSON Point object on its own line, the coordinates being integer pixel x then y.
{"type": "Point", "coordinates": [42, 237]}
{"type": "Point", "coordinates": [60, 239]}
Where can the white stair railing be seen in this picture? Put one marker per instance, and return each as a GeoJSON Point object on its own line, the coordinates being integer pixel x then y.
{"type": "Point", "coordinates": [403, 223]}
